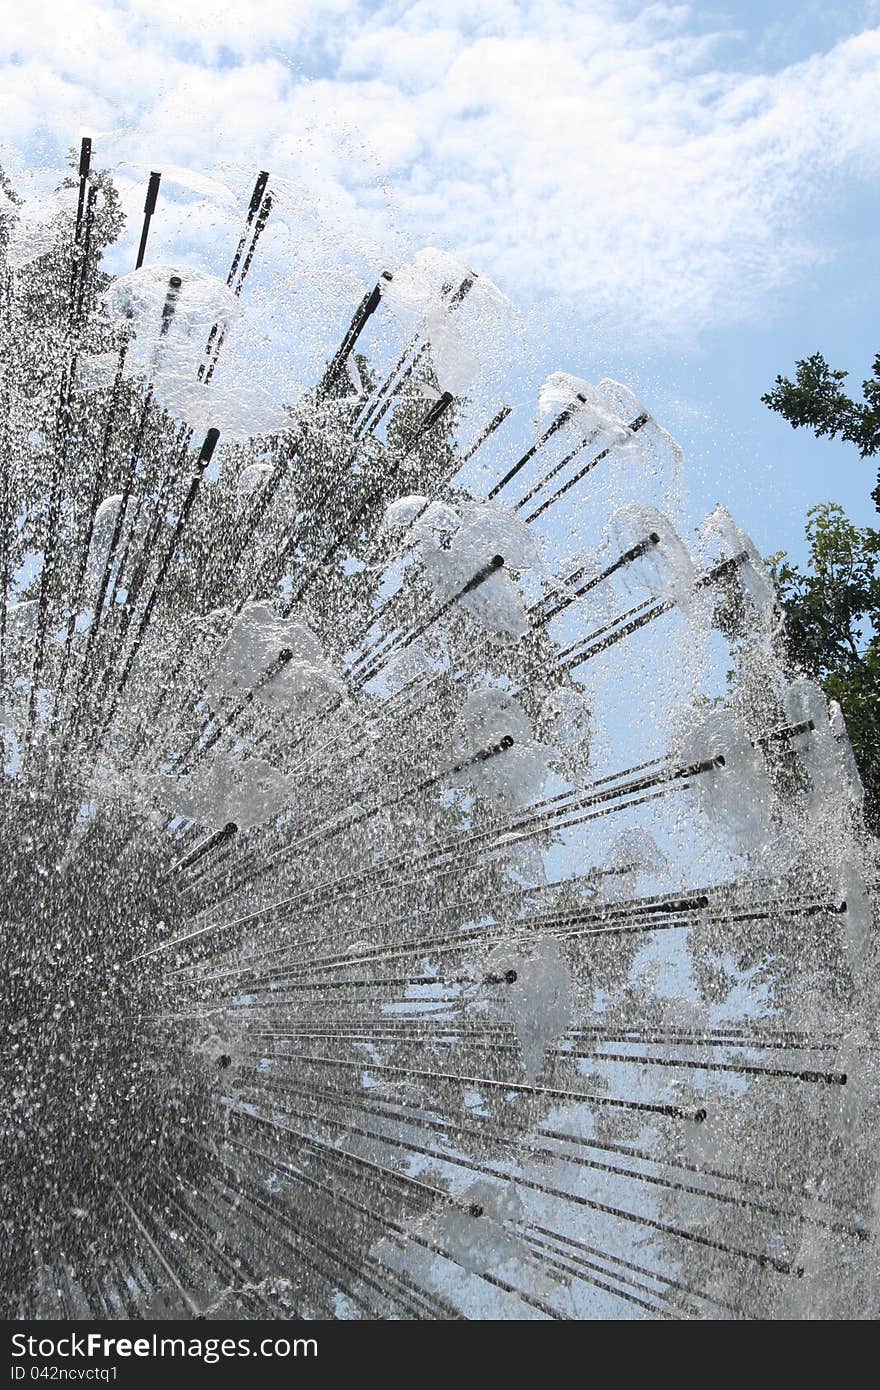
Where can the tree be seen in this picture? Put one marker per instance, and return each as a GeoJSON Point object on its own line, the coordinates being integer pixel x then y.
{"type": "Point", "coordinates": [816, 399]}
{"type": "Point", "coordinates": [832, 621]}
{"type": "Point", "coordinates": [832, 607]}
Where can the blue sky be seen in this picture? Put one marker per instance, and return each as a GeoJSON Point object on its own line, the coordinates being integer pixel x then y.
{"type": "Point", "coordinates": [682, 196]}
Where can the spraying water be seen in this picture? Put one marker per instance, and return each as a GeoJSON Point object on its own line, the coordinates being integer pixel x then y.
{"type": "Point", "coordinates": [426, 892]}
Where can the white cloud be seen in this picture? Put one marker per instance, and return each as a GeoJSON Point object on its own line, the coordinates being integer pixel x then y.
{"type": "Point", "coordinates": [611, 158]}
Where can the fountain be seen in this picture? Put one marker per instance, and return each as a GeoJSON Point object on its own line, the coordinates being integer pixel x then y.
{"type": "Point", "coordinates": [427, 893]}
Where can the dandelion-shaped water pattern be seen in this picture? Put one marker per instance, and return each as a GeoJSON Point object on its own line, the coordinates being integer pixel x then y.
{"type": "Point", "coordinates": [426, 892]}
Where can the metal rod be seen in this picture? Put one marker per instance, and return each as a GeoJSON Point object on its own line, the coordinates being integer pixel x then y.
{"type": "Point", "coordinates": [149, 208]}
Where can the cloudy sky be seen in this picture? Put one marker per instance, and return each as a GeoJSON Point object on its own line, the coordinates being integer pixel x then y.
{"type": "Point", "coordinates": [683, 196]}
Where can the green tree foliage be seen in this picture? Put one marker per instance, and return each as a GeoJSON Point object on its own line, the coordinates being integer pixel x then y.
{"type": "Point", "coordinates": [832, 607]}
{"type": "Point", "coordinates": [816, 399]}
{"type": "Point", "coordinates": [832, 622]}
